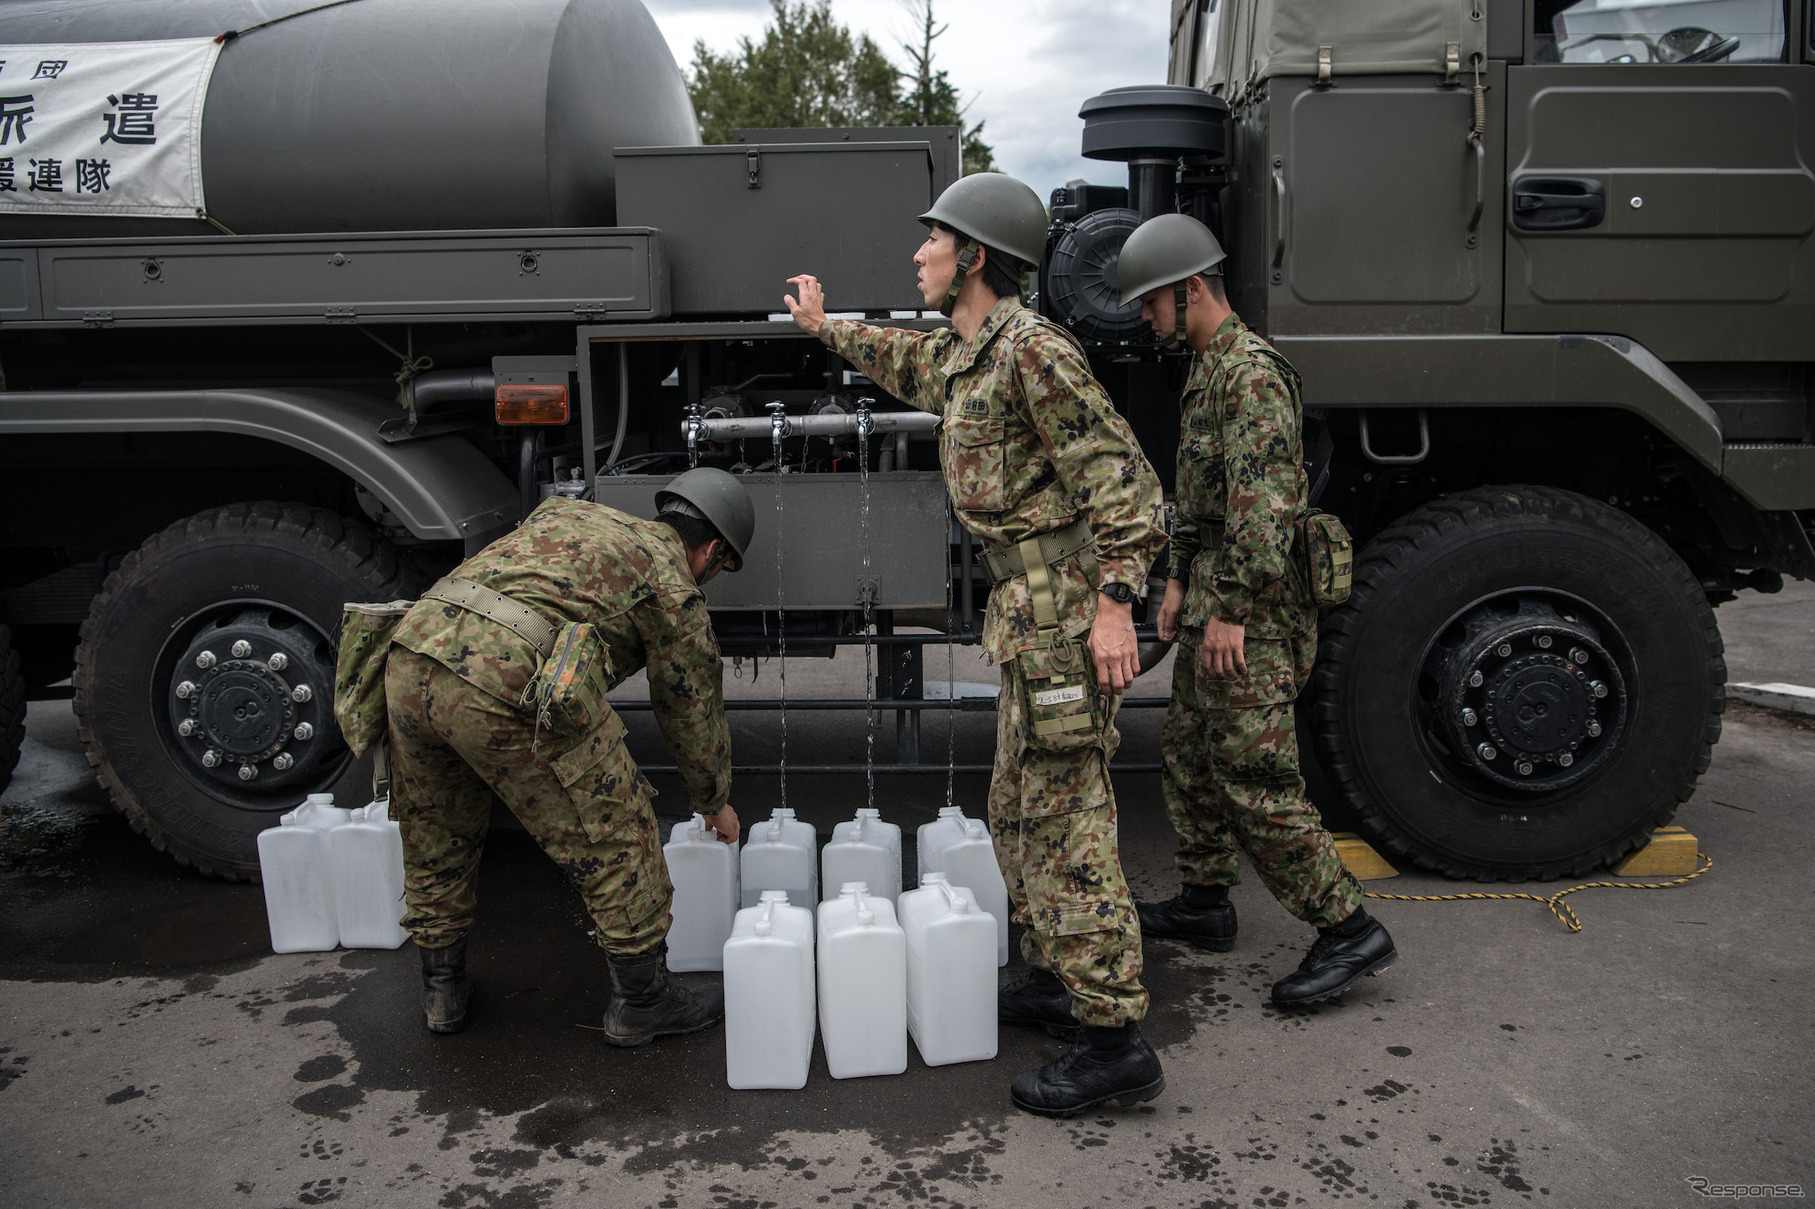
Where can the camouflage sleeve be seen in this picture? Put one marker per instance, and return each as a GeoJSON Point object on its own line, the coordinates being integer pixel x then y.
{"type": "Point", "coordinates": [687, 692]}
{"type": "Point", "coordinates": [900, 361]}
{"type": "Point", "coordinates": [1099, 463]}
{"type": "Point", "coordinates": [1260, 468]}
{"type": "Point", "coordinates": [1185, 544]}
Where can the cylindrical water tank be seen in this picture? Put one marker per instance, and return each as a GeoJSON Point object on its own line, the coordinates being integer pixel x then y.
{"type": "Point", "coordinates": [396, 115]}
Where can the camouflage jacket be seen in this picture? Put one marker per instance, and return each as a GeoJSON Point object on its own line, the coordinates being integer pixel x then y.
{"type": "Point", "coordinates": [1029, 443]}
{"type": "Point", "coordinates": [573, 561]}
{"type": "Point", "coordinates": [1241, 486]}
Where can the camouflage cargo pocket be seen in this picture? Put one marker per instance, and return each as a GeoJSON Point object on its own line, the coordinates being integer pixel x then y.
{"type": "Point", "coordinates": [601, 779]}
{"type": "Point", "coordinates": [975, 459]}
{"type": "Point", "coordinates": [1325, 558]}
{"type": "Point", "coordinates": [1062, 700]}
{"type": "Point", "coordinates": [365, 645]}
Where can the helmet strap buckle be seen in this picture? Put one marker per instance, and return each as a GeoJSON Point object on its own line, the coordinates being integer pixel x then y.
{"type": "Point", "coordinates": [966, 258]}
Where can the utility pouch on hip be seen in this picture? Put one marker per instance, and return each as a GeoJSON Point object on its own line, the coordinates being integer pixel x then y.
{"type": "Point", "coordinates": [1323, 554]}
{"type": "Point", "coordinates": [365, 645]}
{"type": "Point", "coordinates": [569, 689]}
{"type": "Point", "coordinates": [1061, 696]}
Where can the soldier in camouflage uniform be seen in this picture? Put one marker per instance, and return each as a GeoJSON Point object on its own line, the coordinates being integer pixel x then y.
{"type": "Point", "coordinates": [1048, 476]}
{"type": "Point", "coordinates": [1247, 631]}
{"type": "Point", "coordinates": [464, 723]}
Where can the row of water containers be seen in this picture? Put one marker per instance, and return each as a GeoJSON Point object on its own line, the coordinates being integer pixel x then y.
{"type": "Point", "coordinates": [333, 877]}
{"type": "Point", "coordinates": [883, 965]}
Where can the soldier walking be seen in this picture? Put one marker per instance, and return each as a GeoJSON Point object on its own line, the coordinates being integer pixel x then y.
{"type": "Point", "coordinates": [1044, 472]}
{"type": "Point", "coordinates": [1246, 629]}
{"type": "Point", "coordinates": [466, 720]}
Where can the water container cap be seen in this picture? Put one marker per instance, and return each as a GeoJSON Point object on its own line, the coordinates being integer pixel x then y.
{"type": "Point", "coordinates": [866, 918]}
{"type": "Point", "coordinates": [973, 831]}
{"type": "Point", "coordinates": [287, 820]}
{"type": "Point", "coordinates": [961, 905]}
{"type": "Point", "coordinates": [774, 834]}
{"type": "Point", "coordinates": [763, 927]}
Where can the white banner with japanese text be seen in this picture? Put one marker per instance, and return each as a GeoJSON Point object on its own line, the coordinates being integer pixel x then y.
{"type": "Point", "coordinates": [104, 127]}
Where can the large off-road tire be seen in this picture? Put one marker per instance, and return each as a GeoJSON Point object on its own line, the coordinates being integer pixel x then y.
{"type": "Point", "coordinates": [1523, 684]}
{"type": "Point", "coordinates": [204, 678]}
{"type": "Point", "coordinates": [12, 708]}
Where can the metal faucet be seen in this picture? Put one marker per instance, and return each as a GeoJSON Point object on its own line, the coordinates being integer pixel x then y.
{"type": "Point", "coordinates": [694, 417]}
{"type": "Point", "coordinates": [778, 428]}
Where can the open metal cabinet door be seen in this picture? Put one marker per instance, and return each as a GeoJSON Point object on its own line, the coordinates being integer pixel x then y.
{"type": "Point", "coordinates": [1658, 178]}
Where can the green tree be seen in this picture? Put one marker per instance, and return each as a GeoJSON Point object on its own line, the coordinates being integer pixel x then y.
{"type": "Point", "coordinates": [808, 70]}
{"type": "Point", "coordinates": [930, 99]}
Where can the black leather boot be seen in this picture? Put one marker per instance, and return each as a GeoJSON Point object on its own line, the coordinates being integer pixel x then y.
{"type": "Point", "coordinates": [1202, 915]}
{"type": "Point", "coordinates": [1039, 1000]}
{"type": "Point", "coordinates": [1103, 1064]}
{"type": "Point", "coordinates": [1340, 955]}
{"type": "Point", "coordinates": [646, 1003]}
{"type": "Point", "coordinates": [446, 989]}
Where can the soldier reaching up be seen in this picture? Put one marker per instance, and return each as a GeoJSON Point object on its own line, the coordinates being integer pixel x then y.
{"type": "Point", "coordinates": [1046, 474]}
{"type": "Point", "coordinates": [1247, 631]}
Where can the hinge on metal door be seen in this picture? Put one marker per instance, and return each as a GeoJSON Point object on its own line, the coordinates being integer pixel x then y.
{"type": "Point", "coordinates": [340, 314]}
{"type": "Point", "coordinates": [98, 318]}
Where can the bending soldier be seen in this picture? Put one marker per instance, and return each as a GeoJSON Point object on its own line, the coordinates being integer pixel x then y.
{"type": "Point", "coordinates": [492, 687]}
{"type": "Point", "coordinates": [1246, 629]}
{"type": "Point", "coordinates": [1041, 468]}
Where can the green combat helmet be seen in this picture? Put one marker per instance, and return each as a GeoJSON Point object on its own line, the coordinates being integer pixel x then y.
{"type": "Point", "coordinates": [989, 208]}
{"type": "Point", "coordinates": [1165, 251]}
{"type": "Point", "coordinates": [716, 498]}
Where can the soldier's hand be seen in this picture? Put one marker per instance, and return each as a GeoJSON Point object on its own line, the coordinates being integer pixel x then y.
{"type": "Point", "coordinates": [1170, 608]}
{"type": "Point", "coordinates": [724, 823]}
{"type": "Point", "coordinates": [1113, 647]}
{"type": "Point", "coordinates": [809, 310]}
{"type": "Point", "coordinates": [1222, 655]}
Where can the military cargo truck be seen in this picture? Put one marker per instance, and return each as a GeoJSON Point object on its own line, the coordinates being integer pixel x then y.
{"type": "Point", "coordinates": [1547, 269]}
{"type": "Point", "coordinates": [387, 272]}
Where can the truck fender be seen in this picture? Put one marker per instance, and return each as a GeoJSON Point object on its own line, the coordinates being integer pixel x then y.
{"type": "Point", "coordinates": [440, 487]}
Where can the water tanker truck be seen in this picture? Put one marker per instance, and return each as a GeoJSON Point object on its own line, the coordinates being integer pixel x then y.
{"type": "Point", "coordinates": [390, 271]}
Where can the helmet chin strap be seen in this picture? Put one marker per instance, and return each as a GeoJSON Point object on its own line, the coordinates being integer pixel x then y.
{"type": "Point", "coordinates": [1178, 311]}
{"type": "Point", "coordinates": [966, 259]}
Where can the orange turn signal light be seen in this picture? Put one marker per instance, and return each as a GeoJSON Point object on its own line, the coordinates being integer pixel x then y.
{"type": "Point", "coordinates": [532, 404]}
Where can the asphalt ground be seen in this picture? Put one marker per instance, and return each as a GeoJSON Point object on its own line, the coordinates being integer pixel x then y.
{"type": "Point", "coordinates": [153, 1052]}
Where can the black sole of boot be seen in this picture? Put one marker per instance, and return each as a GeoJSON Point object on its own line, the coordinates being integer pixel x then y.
{"type": "Point", "coordinates": [645, 1038]}
{"type": "Point", "coordinates": [1217, 944]}
{"type": "Point", "coordinates": [1325, 997]}
{"type": "Point", "coordinates": [1127, 1099]}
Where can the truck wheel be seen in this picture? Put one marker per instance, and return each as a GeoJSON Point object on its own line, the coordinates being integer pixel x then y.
{"type": "Point", "coordinates": [204, 680]}
{"type": "Point", "coordinates": [12, 708]}
{"type": "Point", "coordinates": [1523, 683]}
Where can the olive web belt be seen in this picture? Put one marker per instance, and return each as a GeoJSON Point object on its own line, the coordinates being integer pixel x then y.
{"type": "Point", "coordinates": [520, 619]}
{"type": "Point", "coordinates": [1054, 547]}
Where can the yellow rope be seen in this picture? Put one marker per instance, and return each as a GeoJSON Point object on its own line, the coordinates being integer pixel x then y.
{"type": "Point", "coordinates": [1555, 902]}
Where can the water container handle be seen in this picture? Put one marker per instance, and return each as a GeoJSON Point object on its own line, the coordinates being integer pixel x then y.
{"type": "Point", "coordinates": [378, 810]}
{"type": "Point", "coordinates": [287, 820]}
{"type": "Point", "coordinates": [959, 904]}
{"type": "Point", "coordinates": [766, 924]}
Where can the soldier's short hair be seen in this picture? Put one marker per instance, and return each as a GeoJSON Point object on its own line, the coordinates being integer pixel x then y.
{"type": "Point", "coordinates": [694, 531]}
{"type": "Point", "coordinates": [1213, 282]}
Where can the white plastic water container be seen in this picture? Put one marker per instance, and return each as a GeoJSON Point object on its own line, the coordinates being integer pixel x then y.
{"type": "Point", "coordinates": [367, 851]}
{"type": "Point", "coordinates": [862, 985]}
{"type": "Point", "coordinates": [704, 873]}
{"type": "Point", "coordinates": [960, 848]}
{"type": "Point", "coordinates": [769, 1018]}
{"type": "Point", "coordinates": [781, 853]}
{"type": "Point", "coordinates": [951, 974]}
{"type": "Point", "coordinates": [866, 850]}
{"type": "Point", "coordinates": [297, 868]}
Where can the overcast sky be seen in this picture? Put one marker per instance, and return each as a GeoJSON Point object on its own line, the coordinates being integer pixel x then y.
{"type": "Point", "coordinates": [1023, 66]}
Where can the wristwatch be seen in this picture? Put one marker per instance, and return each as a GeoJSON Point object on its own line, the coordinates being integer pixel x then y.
{"type": "Point", "coordinates": [1120, 593]}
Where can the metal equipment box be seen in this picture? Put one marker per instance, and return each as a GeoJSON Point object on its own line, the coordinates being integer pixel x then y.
{"type": "Point", "coordinates": [738, 221]}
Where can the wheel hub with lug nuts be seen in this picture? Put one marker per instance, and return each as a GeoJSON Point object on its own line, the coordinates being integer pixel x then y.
{"type": "Point", "coordinates": [243, 704]}
{"type": "Point", "coordinates": [1525, 694]}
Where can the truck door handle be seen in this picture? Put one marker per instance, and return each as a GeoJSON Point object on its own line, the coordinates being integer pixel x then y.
{"type": "Point", "coordinates": [1558, 203]}
{"type": "Point", "coordinates": [1279, 218]}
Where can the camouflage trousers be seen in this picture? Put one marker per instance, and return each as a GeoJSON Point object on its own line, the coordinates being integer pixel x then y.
{"type": "Point", "coordinates": [1232, 779]}
{"type": "Point", "coordinates": [452, 746]}
{"type": "Point", "coordinates": [1053, 820]}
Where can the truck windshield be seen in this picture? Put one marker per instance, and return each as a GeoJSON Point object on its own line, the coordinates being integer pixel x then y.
{"type": "Point", "coordinates": [1659, 31]}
